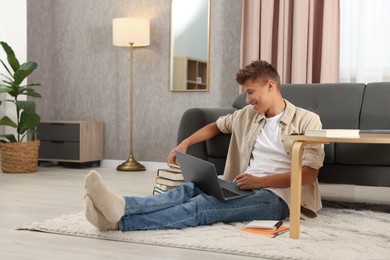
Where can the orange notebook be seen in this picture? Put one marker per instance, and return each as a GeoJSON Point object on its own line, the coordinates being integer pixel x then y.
{"type": "Point", "coordinates": [267, 232]}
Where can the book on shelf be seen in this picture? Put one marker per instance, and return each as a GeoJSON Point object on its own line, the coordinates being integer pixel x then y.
{"type": "Point", "coordinates": [348, 133]}
{"type": "Point", "coordinates": [264, 224]}
{"type": "Point", "coordinates": [266, 232]}
{"type": "Point", "coordinates": [169, 174]}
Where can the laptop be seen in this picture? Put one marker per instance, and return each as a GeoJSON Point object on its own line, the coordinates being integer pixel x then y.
{"type": "Point", "coordinates": [204, 175]}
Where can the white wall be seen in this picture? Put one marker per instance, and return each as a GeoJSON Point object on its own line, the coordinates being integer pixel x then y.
{"type": "Point", "coordinates": [13, 30]}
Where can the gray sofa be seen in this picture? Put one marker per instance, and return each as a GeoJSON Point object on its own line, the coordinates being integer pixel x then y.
{"type": "Point", "coordinates": [346, 106]}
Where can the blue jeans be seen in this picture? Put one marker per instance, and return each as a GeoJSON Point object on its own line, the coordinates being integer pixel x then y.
{"type": "Point", "coordinates": [187, 206]}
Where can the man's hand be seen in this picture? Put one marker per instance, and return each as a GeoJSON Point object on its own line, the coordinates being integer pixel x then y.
{"type": "Point", "coordinates": [171, 159]}
{"type": "Point", "coordinates": [247, 181]}
{"type": "Point", "coordinates": [205, 133]}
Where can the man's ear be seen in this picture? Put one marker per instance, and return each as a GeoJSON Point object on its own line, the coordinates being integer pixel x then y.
{"type": "Point", "coordinates": [271, 84]}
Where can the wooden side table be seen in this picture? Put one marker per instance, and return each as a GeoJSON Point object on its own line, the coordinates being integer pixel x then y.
{"type": "Point", "coordinates": [296, 168]}
{"type": "Point", "coordinates": [71, 142]}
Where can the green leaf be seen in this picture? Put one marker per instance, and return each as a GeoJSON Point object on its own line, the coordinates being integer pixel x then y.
{"type": "Point", "coordinates": [5, 90]}
{"type": "Point", "coordinates": [29, 65]}
{"type": "Point", "coordinates": [6, 68]}
{"type": "Point", "coordinates": [9, 79]}
{"type": "Point", "coordinates": [8, 82]}
{"type": "Point", "coordinates": [28, 106]}
{"type": "Point", "coordinates": [8, 122]}
{"type": "Point", "coordinates": [32, 85]}
{"type": "Point", "coordinates": [28, 120]}
{"type": "Point", "coordinates": [12, 60]}
{"type": "Point", "coordinates": [9, 137]}
{"type": "Point", "coordinates": [29, 92]}
{"type": "Point", "coordinates": [24, 70]}
{"type": "Point", "coordinates": [12, 93]}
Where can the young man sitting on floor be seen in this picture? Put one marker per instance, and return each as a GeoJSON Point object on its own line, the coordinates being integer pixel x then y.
{"type": "Point", "coordinates": [258, 159]}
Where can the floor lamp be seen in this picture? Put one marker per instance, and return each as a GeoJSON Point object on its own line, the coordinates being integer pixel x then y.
{"type": "Point", "coordinates": [131, 32]}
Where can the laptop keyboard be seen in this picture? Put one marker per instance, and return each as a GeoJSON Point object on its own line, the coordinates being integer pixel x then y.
{"type": "Point", "coordinates": [228, 193]}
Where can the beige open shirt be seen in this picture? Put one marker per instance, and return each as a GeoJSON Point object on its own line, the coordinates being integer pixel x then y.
{"type": "Point", "coordinates": [244, 126]}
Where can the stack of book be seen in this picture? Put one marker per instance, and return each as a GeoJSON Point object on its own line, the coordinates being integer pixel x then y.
{"type": "Point", "coordinates": [167, 179]}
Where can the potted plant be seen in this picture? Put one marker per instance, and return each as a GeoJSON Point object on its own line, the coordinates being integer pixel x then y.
{"type": "Point", "coordinates": [18, 154]}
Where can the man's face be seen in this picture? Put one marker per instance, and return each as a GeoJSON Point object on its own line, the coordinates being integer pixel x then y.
{"type": "Point", "coordinates": [258, 94]}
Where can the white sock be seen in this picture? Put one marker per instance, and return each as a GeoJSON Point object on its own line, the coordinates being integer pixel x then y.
{"type": "Point", "coordinates": [96, 218]}
{"type": "Point", "coordinates": [111, 205]}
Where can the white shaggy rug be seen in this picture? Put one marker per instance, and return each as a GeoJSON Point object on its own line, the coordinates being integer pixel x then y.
{"type": "Point", "coordinates": [334, 234]}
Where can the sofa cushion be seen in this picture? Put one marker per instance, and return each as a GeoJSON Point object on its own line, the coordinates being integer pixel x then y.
{"type": "Point", "coordinates": [355, 175]}
{"type": "Point", "coordinates": [363, 154]}
{"type": "Point", "coordinates": [376, 106]}
{"type": "Point", "coordinates": [338, 105]}
{"type": "Point", "coordinates": [219, 164]}
{"type": "Point", "coordinates": [195, 118]}
{"type": "Point", "coordinates": [218, 146]}
{"type": "Point", "coordinates": [374, 118]}
{"type": "Point", "coordinates": [240, 101]}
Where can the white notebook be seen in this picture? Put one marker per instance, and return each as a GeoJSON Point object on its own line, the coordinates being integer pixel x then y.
{"type": "Point", "coordinates": [350, 133]}
{"type": "Point", "coordinates": [264, 224]}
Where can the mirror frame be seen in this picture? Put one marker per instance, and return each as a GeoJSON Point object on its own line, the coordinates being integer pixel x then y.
{"type": "Point", "coordinates": [171, 57]}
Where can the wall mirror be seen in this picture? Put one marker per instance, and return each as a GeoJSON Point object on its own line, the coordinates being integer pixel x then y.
{"type": "Point", "coordinates": [190, 59]}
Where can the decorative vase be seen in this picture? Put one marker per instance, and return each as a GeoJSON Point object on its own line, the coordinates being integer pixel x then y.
{"type": "Point", "coordinates": [19, 157]}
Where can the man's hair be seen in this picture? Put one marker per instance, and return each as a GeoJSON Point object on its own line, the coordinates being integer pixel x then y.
{"type": "Point", "coordinates": [258, 69]}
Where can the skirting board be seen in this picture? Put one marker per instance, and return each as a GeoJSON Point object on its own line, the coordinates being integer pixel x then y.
{"type": "Point", "coordinates": [332, 192]}
{"type": "Point", "coordinates": [355, 193]}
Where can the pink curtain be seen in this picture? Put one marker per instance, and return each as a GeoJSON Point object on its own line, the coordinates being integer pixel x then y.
{"type": "Point", "coordinates": [300, 38]}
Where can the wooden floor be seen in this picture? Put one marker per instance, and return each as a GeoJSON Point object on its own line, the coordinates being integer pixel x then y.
{"type": "Point", "coordinates": [53, 191]}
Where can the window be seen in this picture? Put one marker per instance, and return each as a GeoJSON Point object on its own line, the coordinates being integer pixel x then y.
{"type": "Point", "coordinates": [364, 40]}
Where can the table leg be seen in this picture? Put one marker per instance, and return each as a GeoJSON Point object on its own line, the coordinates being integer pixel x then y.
{"type": "Point", "coordinates": [296, 188]}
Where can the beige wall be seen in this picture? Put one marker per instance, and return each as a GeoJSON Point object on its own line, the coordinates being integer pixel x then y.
{"type": "Point", "coordinates": [84, 77]}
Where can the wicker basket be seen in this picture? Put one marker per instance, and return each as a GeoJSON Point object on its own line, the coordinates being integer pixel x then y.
{"type": "Point", "coordinates": [19, 157]}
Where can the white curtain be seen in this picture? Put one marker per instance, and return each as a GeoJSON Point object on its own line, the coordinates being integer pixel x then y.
{"type": "Point", "coordinates": [364, 40]}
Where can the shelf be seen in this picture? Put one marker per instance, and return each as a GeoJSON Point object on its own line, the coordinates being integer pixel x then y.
{"type": "Point", "coordinates": [190, 74]}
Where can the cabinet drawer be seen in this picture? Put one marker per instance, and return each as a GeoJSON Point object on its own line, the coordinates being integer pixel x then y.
{"type": "Point", "coordinates": [59, 132]}
{"type": "Point", "coordinates": [59, 149]}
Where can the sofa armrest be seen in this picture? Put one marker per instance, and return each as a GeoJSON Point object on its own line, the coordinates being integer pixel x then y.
{"type": "Point", "coordinates": [195, 118]}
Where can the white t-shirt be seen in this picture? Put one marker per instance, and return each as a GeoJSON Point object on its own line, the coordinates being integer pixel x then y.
{"type": "Point", "coordinates": [268, 155]}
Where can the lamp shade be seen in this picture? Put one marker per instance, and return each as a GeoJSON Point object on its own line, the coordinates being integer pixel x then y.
{"type": "Point", "coordinates": [130, 30]}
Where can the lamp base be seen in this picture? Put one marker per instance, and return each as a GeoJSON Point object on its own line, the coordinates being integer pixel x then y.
{"type": "Point", "coordinates": [131, 165]}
